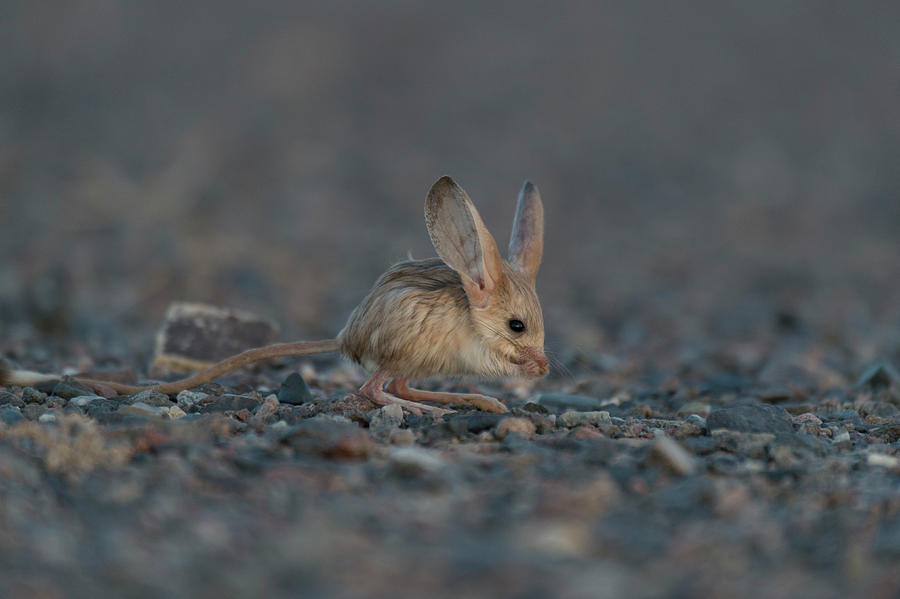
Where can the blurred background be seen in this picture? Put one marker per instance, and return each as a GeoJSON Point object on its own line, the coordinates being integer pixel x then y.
{"type": "Point", "coordinates": [711, 171]}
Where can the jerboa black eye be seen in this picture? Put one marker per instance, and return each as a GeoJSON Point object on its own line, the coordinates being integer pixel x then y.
{"type": "Point", "coordinates": [517, 326]}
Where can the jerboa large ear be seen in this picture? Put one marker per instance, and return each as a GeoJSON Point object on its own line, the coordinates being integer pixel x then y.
{"type": "Point", "coordinates": [462, 240]}
{"type": "Point", "coordinates": [526, 244]}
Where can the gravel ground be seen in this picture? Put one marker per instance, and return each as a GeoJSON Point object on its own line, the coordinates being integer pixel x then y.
{"type": "Point", "coordinates": [616, 479]}
{"type": "Point", "coordinates": [720, 291]}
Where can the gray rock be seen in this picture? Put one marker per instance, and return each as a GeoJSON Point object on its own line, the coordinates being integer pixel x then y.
{"type": "Point", "coordinates": [672, 456]}
{"type": "Point", "coordinates": [142, 410]}
{"type": "Point", "coordinates": [188, 400]}
{"type": "Point", "coordinates": [880, 374]}
{"type": "Point", "coordinates": [523, 427]}
{"type": "Point", "coordinates": [474, 423]}
{"type": "Point", "coordinates": [385, 420]}
{"type": "Point", "coordinates": [561, 402]}
{"type": "Point", "coordinates": [571, 419]}
{"type": "Point", "coordinates": [68, 388]}
{"type": "Point", "coordinates": [152, 398]}
{"type": "Point", "coordinates": [412, 461]}
{"type": "Point", "coordinates": [11, 399]}
{"type": "Point", "coordinates": [33, 411]}
{"type": "Point", "coordinates": [294, 390]}
{"type": "Point", "coordinates": [11, 416]}
{"type": "Point", "coordinates": [32, 395]}
{"type": "Point", "coordinates": [82, 401]}
{"type": "Point", "coordinates": [231, 403]}
{"type": "Point", "coordinates": [328, 438]}
{"type": "Point", "coordinates": [750, 418]}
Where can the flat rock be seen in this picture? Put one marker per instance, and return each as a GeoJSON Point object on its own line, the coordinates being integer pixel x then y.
{"type": "Point", "coordinates": [560, 402]}
{"type": "Point", "coordinates": [194, 336]}
{"type": "Point", "coordinates": [229, 402]}
{"type": "Point", "coordinates": [294, 390]}
{"type": "Point", "coordinates": [750, 418]}
{"type": "Point", "coordinates": [11, 416]}
{"type": "Point", "coordinates": [571, 419]}
{"type": "Point", "coordinates": [329, 438]}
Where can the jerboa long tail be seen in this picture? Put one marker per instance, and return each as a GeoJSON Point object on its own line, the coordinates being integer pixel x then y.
{"type": "Point", "coordinates": [10, 376]}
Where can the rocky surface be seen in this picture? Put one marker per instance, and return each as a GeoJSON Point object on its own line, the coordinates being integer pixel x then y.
{"type": "Point", "coordinates": [692, 487]}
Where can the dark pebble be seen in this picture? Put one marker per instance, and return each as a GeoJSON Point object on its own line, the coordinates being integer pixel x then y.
{"type": "Point", "coordinates": [33, 410]}
{"type": "Point", "coordinates": [32, 395]}
{"type": "Point", "coordinates": [11, 399]}
{"type": "Point", "coordinates": [889, 433]}
{"type": "Point", "coordinates": [880, 374]}
{"type": "Point", "coordinates": [472, 423]}
{"type": "Point", "coordinates": [11, 416]}
{"type": "Point", "coordinates": [751, 418]}
{"type": "Point", "coordinates": [294, 390]}
{"type": "Point", "coordinates": [561, 402]}
{"type": "Point", "coordinates": [152, 398]}
{"type": "Point", "coordinates": [328, 438]}
{"type": "Point", "coordinates": [67, 388]}
{"type": "Point", "coordinates": [230, 402]}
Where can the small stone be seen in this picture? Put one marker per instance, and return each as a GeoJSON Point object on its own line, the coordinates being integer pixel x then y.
{"type": "Point", "coordinates": [176, 412]}
{"type": "Point", "coordinates": [385, 420]}
{"type": "Point", "coordinates": [411, 461]}
{"type": "Point", "coordinates": [535, 408]}
{"type": "Point", "coordinates": [82, 401]}
{"type": "Point", "coordinates": [190, 399]}
{"type": "Point", "coordinates": [32, 395]}
{"type": "Point", "coordinates": [889, 433]}
{"type": "Point", "coordinates": [229, 402]}
{"type": "Point", "coordinates": [571, 419]}
{"type": "Point", "coordinates": [523, 427]}
{"type": "Point", "coordinates": [561, 402]}
{"type": "Point", "coordinates": [194, 335]}
{"type": "Point", "coordinates": [11, 416]}
{"type": "Point", "coordinates": [700, 408]}
{"type": "Point", "coordinates": [294, 390]}
{"type": "Point", "coordinates": [11, 399]}
{"type": "Point", "coordinates": [142, 410]}
{"type": "Point", "coordinates": [841, 436]}
{"type": "Point", "coordinates": [266, 411]}
{"type": "Point", "coordinates": [33, 411]}
{"type": "Point", "coordinates": [402, 436]}
{"type": "Point", "coordinates": [329, 438]}
{"type": "Point", "coordinates": [68, 388]}
{"type": "Point", "coordinates": [807, 417]}
{"type": "Point", "coordinates": [47, 417]}
{"type": "Point", "coordinates": [883, 460]}
{"type": "Point", "coordinates": [880, 374]}
{"type": "Point", "coordinates": [152, 398]}
{"type": "Point", "coordinates": [472, 423]}
{"type": "Point", "coordinates": [751, 418]}
{"type": "Point", "coordinates": [672, 456]}
{"type": "Point", "coordinates": [752, 445]}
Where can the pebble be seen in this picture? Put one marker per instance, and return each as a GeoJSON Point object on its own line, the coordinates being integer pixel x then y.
{"type": "Point", "coordinates": [190, 399]}
{"type": "Point", "coordinates": [882, 460]}
{"type": "Point", "coordinates": [142, 410]}
{"type": "Point", "coordinates": [32, 395]}
{"type": "Point", "coordinates": [266, 411]}
{"type": "Point", "coordinates": [700, 408]}
{"type": "Point", "coordinates": [561, 402]}
{"type": "Point", "coordinates": [68, 388]}
{"type": "Point", "coordinates": [523, 427]}
{"type": "Point", "coordinates": [11, 399]}
{"type": "Point", "coordinates": [571, 419]}
{"type": "Point", "coordinates": [385, 420]}
{"type": "Point", "coordinates": [408, 461]}
{"type": "Point", "coordinates": [176, 412]}
{"type": "Point", "coordinates": [750, 418]}
{"type": "Point", "coordinates": [402, 436]}
{"type": "Point", "coordinates": [152, 398]}
{"type": "Point", "coordinates": [329, 438]}
{"type": "Point", "coordinates": [11, 416]}
{"type": "Point", "coordinates": [47, 417]}
{"type": "Point", "coordinates": [880, 374]}
{"type": "Point", "coordinates": [82, 401]}
{"type": "Point", "coordinates": [229, 402]}
{"type": "Point", "coordinates": [673, 456]}
{"type": "Point", "coordinates": [294, 390]}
